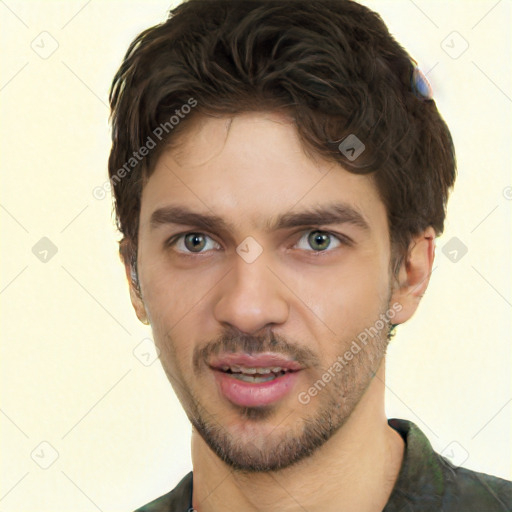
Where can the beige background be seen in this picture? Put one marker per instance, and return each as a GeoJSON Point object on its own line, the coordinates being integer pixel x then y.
{"type": "Point", "coordinates": [69, 372]}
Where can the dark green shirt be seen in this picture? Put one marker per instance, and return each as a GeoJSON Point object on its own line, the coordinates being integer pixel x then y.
{"type": "Point", "coordinates": [427, 482]}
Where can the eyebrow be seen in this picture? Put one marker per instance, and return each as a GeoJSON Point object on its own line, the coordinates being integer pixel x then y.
{"type": "Point", "coordinates": [328, 214]}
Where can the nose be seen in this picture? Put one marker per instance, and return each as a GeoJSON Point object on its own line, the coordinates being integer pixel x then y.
{"type": "Point", "coordinates": [252, 297]}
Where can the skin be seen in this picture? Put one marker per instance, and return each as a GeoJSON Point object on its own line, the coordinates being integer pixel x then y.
{"type": "Point", "coordinates": [247, 170]}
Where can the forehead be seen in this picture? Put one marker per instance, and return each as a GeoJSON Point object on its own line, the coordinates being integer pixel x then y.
{"type": "Point", "coordinates": [250, 167]}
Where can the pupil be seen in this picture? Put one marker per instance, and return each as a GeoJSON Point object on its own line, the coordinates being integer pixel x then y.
{"type": "Point", "coordinates": [320, 239]}
{"type": "Point", "coordinates": [195, 240]}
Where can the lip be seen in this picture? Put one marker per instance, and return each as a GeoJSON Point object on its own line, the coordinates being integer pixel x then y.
{"type": "Point", "coordinates": [255, 394]}
{"type": "Point", "coordinates": [258, 394]}
{"type": "Point", "coordinates": [263, 360]}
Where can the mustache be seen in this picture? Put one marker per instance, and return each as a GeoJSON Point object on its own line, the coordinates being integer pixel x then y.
{"type": "Point", "coordinates": [234, 341]}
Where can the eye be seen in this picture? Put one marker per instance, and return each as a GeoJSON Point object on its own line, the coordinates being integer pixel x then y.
{"type": "Point", "coordinates": [190, 243]}
{"type": "Point", "coordinates": [320, 240]}
{"type": "Point", "coordinates": [197, 243]}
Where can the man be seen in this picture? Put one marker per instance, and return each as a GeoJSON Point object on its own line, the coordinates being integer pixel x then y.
{"type": "Point", "coordinates": [280, 173]}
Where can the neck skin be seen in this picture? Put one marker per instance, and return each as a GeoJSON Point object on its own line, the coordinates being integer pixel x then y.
{"type": "Point", "coordinates": [354, 471]}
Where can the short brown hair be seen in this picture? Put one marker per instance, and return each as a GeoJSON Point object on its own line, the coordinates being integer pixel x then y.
{"type": "Point", "coordinates": [331, 65]}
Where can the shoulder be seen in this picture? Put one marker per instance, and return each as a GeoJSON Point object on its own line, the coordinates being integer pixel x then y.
{"type": "Point", "coordinates": [177, 500]}
{"type": "Point", "coordinates": [428, 481]}
{"type": "Point", "coordinates": [471, 490]}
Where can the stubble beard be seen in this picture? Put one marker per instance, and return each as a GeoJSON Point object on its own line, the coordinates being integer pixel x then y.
{"type": "Point", "coordinates": [284, 447]}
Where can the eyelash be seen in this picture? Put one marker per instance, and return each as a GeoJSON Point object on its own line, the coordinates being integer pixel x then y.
{"type": "Point", "coordinates": [343, 240]}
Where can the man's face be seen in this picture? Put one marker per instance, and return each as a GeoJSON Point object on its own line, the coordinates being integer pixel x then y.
{"type": "Point", "coordinates": [260, 294]}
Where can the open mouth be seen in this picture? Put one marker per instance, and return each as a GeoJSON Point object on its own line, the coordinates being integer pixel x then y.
{"type": "Point", "coordinates": [255, 381]}
{"type": "Point", "coordinates": [255, 374]}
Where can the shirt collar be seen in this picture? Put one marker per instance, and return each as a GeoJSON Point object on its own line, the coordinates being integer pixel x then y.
{"type": "Point", "coordinates": [420, 479]}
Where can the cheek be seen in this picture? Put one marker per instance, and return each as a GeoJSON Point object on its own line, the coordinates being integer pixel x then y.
{"type": "Point", "coordinates": [175, 301]}
{"type": "Point", "coordinates": [353, 293]}
{"type": "Point", "coordinates": [169, 293]}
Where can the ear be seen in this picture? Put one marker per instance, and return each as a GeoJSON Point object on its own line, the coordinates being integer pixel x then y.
{"type": "Point", "coordinates": [135, 297]}
{"type": "Point", "coordinates": [132, 278]}
{"type": "Point", "coordinates": [414, 275]}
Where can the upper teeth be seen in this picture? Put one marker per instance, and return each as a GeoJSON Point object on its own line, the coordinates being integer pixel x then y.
{"type": "Point", "coordinates": [252, 371]}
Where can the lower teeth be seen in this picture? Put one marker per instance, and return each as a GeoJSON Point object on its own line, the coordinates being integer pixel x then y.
{"type": "Point", "coordinates": [252, 378]}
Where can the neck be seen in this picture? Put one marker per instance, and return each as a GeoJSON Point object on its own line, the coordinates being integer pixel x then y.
{"type": "Point", "coordinates": [354, 471]}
